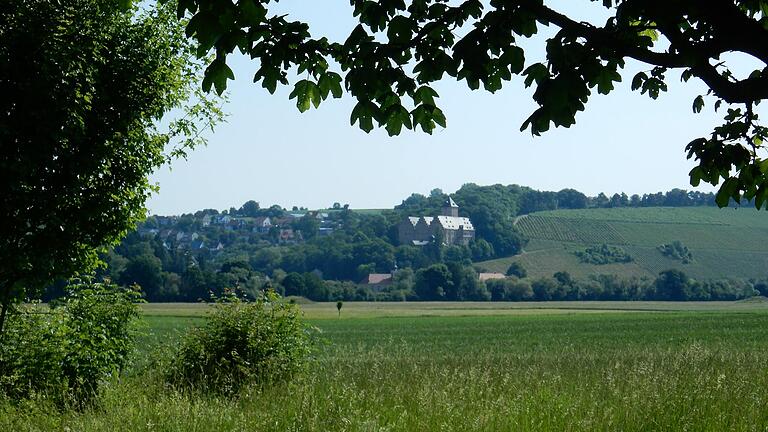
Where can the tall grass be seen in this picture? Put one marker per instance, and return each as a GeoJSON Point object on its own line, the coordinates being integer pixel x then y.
{"type": "Point", "coordinates": [635, 372]}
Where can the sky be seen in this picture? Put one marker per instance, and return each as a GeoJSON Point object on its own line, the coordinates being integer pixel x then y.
{"type": "Point", "coordinates": [269, 152]}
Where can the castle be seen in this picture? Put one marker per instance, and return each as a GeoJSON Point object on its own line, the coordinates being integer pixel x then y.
{"type": "Point", "coordinates": [453, 229]}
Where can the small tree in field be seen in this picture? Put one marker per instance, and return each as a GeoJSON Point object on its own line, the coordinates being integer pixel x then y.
{"type": "Point", "coordinates": [339, 304]}
{"type": "Point", "coordinates": [242, 343]}
{"type": "Point", "coordinates": [517, 269]}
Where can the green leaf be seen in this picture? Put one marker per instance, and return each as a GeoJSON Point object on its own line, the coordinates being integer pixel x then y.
{"type": "Point", "coordinates": [330, 83]}
{"type": "Point", "coordinates": [650, 33]}
{"type": "Point", "coordinates": [535, 72]}
{"type": "Point", "coordinates": [438, 116]}
{"type": "Point", "coordinates": [400, 29]}
{"type": "Point", "coordinates": [363, 113]}
{"type": "Point", "coordinates": [760, 197]}
{"type": "Point", "coordinates": [514, 57]}
{"type": "Point", "coordinates": [696, 174]}
{"type": "Point", "coordinates": [306, 93]}
{"type": "Point", "coordinates": [638, 80]}
{"type": "Point", "coordinates": [252, 13]}
{"type": "Point", "coordinates": [217, 74]}
{"type": "Point", "coordinates": [605, 80]}
{"type": "Point", "coordinates": [698, 104]}
{"type": "Point", "coordinates": [314, 94]}
{"type": "Point", "coordinates": [722, 198]}
{"type": "Point", "coordinates": [423, 116]}
{"type": "Point", "coordinates": [425, 94]}
{"type": "Point", "coordinates": [398, 117]}
{"type": "Point", "coordinates": [728, 190]}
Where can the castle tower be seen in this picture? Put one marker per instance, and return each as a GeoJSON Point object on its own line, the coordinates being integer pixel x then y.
{"type": "Point", "coordinates": [450, 208]}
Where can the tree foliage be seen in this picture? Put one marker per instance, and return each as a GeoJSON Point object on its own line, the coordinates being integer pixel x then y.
{"type": "Point", "coordinates": [242, 343]}
{"type": "Point", "coordinates": [603, 254]}
{"type": "Point", "coordinates": [67, 353]}
{"type": "Point", "coordinates": [677, 250]}
{"type": "Point", "coordinates": [85, 84]}
{"type": "Point", "coordinates": [392, 58]}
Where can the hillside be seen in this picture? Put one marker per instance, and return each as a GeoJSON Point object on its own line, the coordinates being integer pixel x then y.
{"type": "Point", "coordinates": [724, 242]}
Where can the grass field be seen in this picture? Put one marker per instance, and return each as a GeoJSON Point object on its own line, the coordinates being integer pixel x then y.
{"type": "Point", "coordinates": [470, 367]}
{"type": "Point", "coordinates": [724, 242]}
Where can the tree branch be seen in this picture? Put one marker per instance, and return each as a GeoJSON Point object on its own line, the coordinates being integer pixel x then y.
{"type": "Point", "coordinates": [685, 54]}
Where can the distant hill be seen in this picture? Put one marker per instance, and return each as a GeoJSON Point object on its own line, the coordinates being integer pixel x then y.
{"type": "Point", "coordinates": [731, 242]}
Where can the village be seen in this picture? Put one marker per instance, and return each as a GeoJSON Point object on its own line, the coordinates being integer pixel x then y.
{"type": "Point", "coordinates": [209, 233]}
{"type": "Point", "coordinates": [213, 231]}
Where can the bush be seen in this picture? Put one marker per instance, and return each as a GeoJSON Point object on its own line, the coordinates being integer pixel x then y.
{"type": "Point", "coordinates": [517, 269]}
{"type": "Point", "coordinates": [242, 343]}
{"type": "Point", "coordinates": [603, 254]}
{"type": "Point", "coordinates": [66, 352]}
{"type": "Point", "coordinates": [677, 250]}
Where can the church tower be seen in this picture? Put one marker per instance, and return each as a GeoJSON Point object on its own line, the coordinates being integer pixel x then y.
{"type": "Point", "coordinates": [450, 208]}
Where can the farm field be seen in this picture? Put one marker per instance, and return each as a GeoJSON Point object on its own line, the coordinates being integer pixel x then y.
{"type": "Point", "coordinates": [470, 367]}
{"type": "Point", "coordinates": [725, 243]}
{"type": "Point", "coordinates": [327, 310]}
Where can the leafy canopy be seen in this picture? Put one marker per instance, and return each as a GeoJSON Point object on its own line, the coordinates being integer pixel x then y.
{"type": "Point", "coordinates": [390, 60]}
{"type": "Point", "coordinates": [85, 84]}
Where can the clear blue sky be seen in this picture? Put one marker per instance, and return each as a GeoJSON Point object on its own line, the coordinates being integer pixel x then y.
{"type": "Point", "coordinates": [269, 152]}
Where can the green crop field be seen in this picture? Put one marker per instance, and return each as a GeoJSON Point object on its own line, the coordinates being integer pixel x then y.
{"type": "Point", "coordinates": [369, 211]}
{"type": "Point", "coordinates": [725, 243]}
{"type": "Point", "coordinates": [637, 366]}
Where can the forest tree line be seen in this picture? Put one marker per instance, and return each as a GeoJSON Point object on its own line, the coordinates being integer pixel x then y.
{"type": "Point", "coordinates": [333, 263]}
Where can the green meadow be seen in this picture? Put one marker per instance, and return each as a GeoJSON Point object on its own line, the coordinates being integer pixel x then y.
{"type": "Point", "coordinates": [725, 243]}
{"type": "Point", "coordinates": [465, 367]}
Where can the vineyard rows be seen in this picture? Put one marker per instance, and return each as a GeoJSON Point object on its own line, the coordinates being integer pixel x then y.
{"type": "Point", "coordinates": [742, 217]}
{"type": "Point", "coordinates": [588, 231]}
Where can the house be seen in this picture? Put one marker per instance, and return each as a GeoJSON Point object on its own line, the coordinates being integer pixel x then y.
{"type": "Point", "coordinates": [454, 229]}
{"type": "Point", "coordinates": [378, 279]}
{"type": "Point", "coordinates": [288, 235]}
{"type": "Point", "coordinates": [166, 220]}
{"type": "Point", "coordinates": [182, 237]}
{"type": "Point", "coordinates": [378, 282]}
{"type": "Point", "coordinates": [488, 276]}
{"type": "Point", "coordinates": [148, 232]}
{"type": "Point", "coordinates": [262, 224]}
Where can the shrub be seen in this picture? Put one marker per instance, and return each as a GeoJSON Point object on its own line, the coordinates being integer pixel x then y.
{"type": "Point", "coordinates": [676, 250]}
{"type": "Point", "coordinates": [517, 269]}
{"type": "Point", "coordinates": [66, 352]}
{"type": "Point", "coordinates": [242, 343]}
{"type": "Point", "coordinates": [603, 254]}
